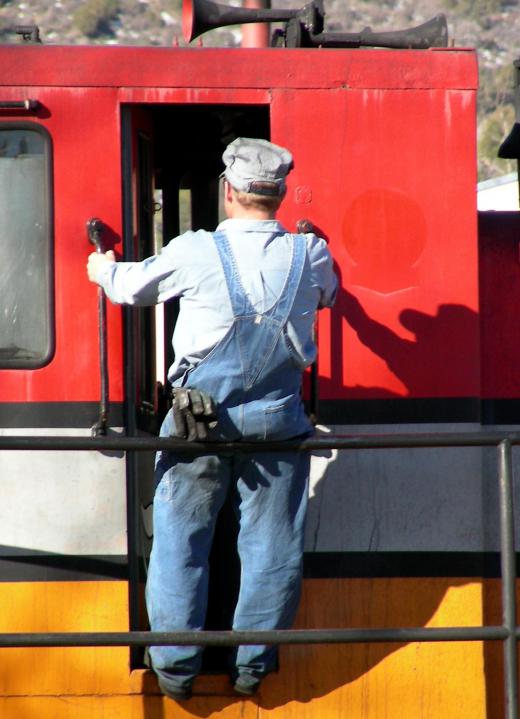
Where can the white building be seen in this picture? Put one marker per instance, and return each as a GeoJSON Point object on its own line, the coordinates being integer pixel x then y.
{"type": "Point", "coordinates": [499, 193]}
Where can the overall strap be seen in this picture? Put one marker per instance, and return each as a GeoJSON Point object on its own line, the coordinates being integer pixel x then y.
{"type": "Point", "coordinates": [240, 303]}
{"type": "Point", "coordinates": [281, 310]}
{"type": "Point", "coordinates": [257, 335]}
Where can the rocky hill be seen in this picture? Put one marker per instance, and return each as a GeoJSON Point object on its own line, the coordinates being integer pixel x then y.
{"type": "Point", "coordinates": [492, 26]}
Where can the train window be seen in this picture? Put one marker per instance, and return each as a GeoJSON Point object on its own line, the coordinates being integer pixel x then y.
{"type": "Point", "coordinates": [26, 321]}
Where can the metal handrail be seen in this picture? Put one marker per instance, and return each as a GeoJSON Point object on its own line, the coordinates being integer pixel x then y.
{"type": "Point", "coordinates": [508, 633]}
{"type": "Point", "coordinates": [369, 441]}
{"type": "Point", "coordinates": [234, 638]}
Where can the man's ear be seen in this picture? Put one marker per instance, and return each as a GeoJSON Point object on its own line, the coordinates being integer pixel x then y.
{"type": "Point", "coordinates": [228, 191]}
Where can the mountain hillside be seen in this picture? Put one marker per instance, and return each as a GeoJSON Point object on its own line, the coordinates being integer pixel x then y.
{"type": "Point", "coordinates": [491, 26]}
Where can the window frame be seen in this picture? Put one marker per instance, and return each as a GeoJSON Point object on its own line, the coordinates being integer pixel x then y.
{"type": "Point", "coordinates": [49, 350]}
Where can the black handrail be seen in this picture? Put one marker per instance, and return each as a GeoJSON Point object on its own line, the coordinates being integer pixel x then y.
{"type": "Point", "coordinates": [233, 638]}
{"type": "Point", "coordinates": [508, 633]}
{"type": "Point", "coordinates": [373, 441]}
{"type": "Point", "coordinates": [507, 563]}
{"type": "Point", "coordinates": [95, 234]}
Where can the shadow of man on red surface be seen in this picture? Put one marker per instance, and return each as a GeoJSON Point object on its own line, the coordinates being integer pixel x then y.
{"type": "Point", "coordinates": [440, 360]}
{"type": "Point", "coordinates": [436, 363]}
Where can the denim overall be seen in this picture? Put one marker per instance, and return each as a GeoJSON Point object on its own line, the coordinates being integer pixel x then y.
{"type": "Point", "coordinates": [255, 377]}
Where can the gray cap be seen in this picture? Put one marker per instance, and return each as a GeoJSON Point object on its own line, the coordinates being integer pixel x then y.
{"type": "Point", "coordinates": [257, 166]}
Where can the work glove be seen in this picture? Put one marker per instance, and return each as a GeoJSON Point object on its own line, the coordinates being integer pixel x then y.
{"type": "Point", "coordinates": [194, 413]}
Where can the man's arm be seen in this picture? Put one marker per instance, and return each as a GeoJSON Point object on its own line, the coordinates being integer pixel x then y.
{"type": "Point", "coordinates": [322, 264]}
{"type": "Point", "coordinates": [136, 283]}
{"type": "Point", "coordinates": [129, 283]}
{"type": "Point", "coordinates": [322, 269]}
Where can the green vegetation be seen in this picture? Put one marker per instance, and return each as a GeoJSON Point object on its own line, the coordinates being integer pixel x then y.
{"type": "Point", "coordinates": [496, 88]}
{"type": "Point", "coordinates": [478, 10]}
{"type": "Point", "coordinates": [93, 17]}
{"type": "Point", "coordinates": [496, 115]}
{"type": "Point", "coordinates": [493, 129]}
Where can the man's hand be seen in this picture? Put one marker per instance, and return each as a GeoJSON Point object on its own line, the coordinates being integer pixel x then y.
{"type": "Point", "coordinates": [194, 412]}
{"type": "Point", "coordinates": [96, 262]}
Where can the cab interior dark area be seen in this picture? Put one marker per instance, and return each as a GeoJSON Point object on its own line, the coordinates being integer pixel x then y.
{"type": "Point", "coordinates": [179, 154]}
{"type": "Point", "coordinates": [189, 142]}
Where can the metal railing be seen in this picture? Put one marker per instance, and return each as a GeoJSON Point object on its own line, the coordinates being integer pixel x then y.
{"type": "Point", "coordinates": [508, 632]}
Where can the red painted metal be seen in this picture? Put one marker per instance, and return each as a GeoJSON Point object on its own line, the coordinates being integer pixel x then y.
{"type": "Point", "coordinates": [384, 147]}
{"type": "Point", "coordinates": [84, 127]}
{"type": "Point", "coordinates": [110, 66]}
{"type": "Point", "coordinates": [187, 19]}
{"type": "Point", "coordinates": [401, 224]}
{"type": "Point", "coordinates": [499, 236]}
{"type": "Point", "coordinates": [256, 34]}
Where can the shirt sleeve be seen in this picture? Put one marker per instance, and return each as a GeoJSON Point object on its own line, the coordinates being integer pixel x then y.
{"type": "Point", "coordinates": [154, 280]}
{"type": "Point", "coordinates": [322, 270]}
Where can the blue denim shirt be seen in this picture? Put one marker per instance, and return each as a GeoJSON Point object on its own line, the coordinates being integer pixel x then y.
{"type": "Point", "coordinates": [189, 268]}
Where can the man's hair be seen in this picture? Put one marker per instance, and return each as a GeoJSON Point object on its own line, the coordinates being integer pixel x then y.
{"type": "Point", "coordinates": [258, 202]}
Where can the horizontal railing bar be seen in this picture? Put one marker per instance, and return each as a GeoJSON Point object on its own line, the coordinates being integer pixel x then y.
{"type": "Point", "coordinates": [382, 441]}
{"type": "Point", "coordinates": [285, 636]}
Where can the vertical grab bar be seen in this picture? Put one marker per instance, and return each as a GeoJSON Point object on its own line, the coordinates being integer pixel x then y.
{"type": "Point", "coordinates": [95, 236]}
{"type": "Point", "coordinates": [508, 567]}
{"type": "Point", "coordinates": [304, 226]}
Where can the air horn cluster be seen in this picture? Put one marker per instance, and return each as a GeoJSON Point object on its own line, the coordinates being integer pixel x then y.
{"type": "Point", "coordinates": [304, 27]}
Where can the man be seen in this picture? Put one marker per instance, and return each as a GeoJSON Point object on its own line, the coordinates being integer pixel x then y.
{"type": "Point", "coordinates": [248, 294]}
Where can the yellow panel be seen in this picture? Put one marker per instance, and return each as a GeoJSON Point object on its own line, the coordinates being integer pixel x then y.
{"type": "Point", "coordinates": [64, 607]}
{"type": "Point", "coordinates": [121, 707]}
{"type": "Point", "coordinates": [410, 681]}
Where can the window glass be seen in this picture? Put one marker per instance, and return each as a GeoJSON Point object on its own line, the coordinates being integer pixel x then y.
{"type": "Point", "coordinates": [25, 284]}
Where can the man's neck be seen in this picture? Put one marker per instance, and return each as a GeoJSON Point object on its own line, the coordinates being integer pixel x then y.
{"type": "Point", "coordinates": [240, 213]}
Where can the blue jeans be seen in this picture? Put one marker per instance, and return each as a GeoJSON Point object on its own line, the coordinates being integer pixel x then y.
{"type": "Point", "coordinates": [270, 494]}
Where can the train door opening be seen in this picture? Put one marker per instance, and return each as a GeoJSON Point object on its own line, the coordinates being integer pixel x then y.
{"type": "Point", "coordinates": [172, 160]}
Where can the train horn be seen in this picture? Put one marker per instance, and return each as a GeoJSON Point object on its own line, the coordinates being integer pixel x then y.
{"type": "Point", "coordinates": [304, 27]}
{"type": "Point", "coordinates": [199, 16]}
{"type": "Point", "coordinates": [433, 33]}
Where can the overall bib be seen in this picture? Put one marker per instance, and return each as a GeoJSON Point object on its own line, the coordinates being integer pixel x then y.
{"type": "Point", "coordinates": [254, 375]}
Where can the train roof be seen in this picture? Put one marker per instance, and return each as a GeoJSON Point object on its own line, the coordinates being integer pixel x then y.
{"type": "Point", "coordinates": [125, 66]}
